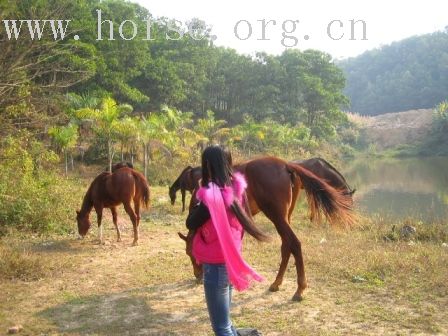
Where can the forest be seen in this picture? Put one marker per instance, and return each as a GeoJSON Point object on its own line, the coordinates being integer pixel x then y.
{"type": "Point", "coordinates": [408, 74]}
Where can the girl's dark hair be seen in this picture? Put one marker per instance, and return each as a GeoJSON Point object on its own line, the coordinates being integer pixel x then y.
{"type": "Point", "coordinates": [217, 168]}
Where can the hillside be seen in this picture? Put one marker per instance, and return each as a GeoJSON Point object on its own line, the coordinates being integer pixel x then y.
{"type": "Point", "coordinates": [391, 130]}
{"type": "Point", "coordinates": [405, 75]}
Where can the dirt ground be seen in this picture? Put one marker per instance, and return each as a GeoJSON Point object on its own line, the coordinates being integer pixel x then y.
{"type": "Point", "coordinates": [401, 128]}
{"type": "Point", "coordinates": [358, 284]}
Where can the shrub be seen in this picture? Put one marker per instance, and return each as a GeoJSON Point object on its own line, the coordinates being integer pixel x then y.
{"type": "Point", "coordinates": [33, 197]}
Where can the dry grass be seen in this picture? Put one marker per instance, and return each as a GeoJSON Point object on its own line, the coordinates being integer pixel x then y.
{"type": "Point", "coordinates": [360, 120]}
{"type": "Point", "coordinates": [360, 282]}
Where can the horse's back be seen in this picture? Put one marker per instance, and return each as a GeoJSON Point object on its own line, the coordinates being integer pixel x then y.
{"type": "Point", "coordinates": [269, 183]}
{"type": "Point", "coordinates": [326, 171]}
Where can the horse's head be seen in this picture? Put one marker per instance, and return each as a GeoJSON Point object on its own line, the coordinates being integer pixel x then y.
{"type": "Point", "coordinates": [83, 223]}
{"type": "Point", "coordinates": [197, 269]}
{"type": "Point", "coordinates": [349, 193]}
{"type": "Point", "coordinates": [172, 193]}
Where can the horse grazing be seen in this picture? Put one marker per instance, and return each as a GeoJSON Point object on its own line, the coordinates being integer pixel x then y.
{"type": "Point", "coordinates": [187, 181]}
{"type": "Point", "coordinates": [329, 173]}
{"type": "Point", "coordinates": [273, 188]}
{"type": "Point", "coordinates": [108, 190]}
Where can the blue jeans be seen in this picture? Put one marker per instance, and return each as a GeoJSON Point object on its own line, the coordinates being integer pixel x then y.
{"type": "Point", "coordinates": [218, 294]}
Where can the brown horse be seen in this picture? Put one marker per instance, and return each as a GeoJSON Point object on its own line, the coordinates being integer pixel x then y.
{"type": "Point", "coordinates": [120, 165]}
{"type": "Point", "coordinates": [273, 188]}
{"type": "Point", "coordinates": [108, 190]}
{"type": "Point", "coordinates": [187, 181]}
{"type": "Point", "coordinates": [327, 172]}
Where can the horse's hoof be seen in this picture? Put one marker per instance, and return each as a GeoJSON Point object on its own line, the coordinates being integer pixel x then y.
{"type": "Point", "coordinates": [119, 240]}
{"type": "Point", "coordinates": [297, 297]}
{"type": "Point", "coordinates": [274, 288]}
{"type": "Point", "coordinates": [135, 244]}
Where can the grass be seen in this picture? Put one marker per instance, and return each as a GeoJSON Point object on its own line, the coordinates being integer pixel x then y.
{"type": "Point", "coordinates": [360, 281]}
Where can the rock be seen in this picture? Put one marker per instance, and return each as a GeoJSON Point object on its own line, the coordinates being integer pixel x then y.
{"type": "Point", "coordinates": [407, 231]}
{"type": "Point", "coordinates": [444, 245]}
{"type": "Point", "coordinates": [15, 329]}
{"type": "Point", "coordinates": [323, 241]}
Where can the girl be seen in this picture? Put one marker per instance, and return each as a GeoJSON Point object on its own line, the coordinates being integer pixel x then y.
{"type": "Point", "coordinates": [220, 220]}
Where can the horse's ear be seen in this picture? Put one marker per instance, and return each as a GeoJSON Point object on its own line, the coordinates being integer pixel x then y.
{"type": "Point", "coordinates": [182, 236]}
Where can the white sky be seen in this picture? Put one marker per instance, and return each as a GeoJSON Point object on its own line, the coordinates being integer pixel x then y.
{"type": "Point", "coordinates": [386, 21]}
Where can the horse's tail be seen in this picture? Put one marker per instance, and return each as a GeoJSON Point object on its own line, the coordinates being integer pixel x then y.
{"type": "Point", "coordinates": [143, 186]}
{"type": "Point", "coordinates": [336, 206]}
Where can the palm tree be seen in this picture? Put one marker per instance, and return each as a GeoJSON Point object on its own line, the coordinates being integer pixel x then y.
{"type": "Point", "coordinates": [106, 122]}
{"type": "Point", "coordinates": [211, 129]}
{"type": "Point", "coordinates": [65, 138]}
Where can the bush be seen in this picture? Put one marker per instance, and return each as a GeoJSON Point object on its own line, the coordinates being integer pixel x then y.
{"type": "Point", "coordinates": [33, 197]}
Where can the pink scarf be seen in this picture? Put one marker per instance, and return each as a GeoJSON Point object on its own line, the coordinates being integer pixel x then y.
{"type": "Point", "coordinates": [240, 273]}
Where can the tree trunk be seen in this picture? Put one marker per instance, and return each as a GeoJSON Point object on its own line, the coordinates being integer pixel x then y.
{"type": "Point", "coordinates": [109, 154]}
{"type": "Point", "coordinates": [66, 163]}
{"type": "Point", "coordinates": [145, 160]}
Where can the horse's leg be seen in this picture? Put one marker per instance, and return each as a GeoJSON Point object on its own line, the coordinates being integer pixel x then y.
{"type": "Point", "coordinates": [99, 217]}
{"type": "Point", "coordinates": [113, 210]}
{"type": "Point", "coordinates": [285, 253]}
{"type": "Point", "coordinates": [290, 244]}
{"type": "Point", "coordinates": [182, 191]}
{"type": "Point", "coordinates": [296, 250]}
{"type": "Point", "coordinates": [133, 217]}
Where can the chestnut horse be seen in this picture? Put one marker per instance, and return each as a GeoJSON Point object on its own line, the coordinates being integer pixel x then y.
{"type": "Point", "coordinates": [273, 188]}
{"type": "Point", "coordinates": [189, 177]}
{"type": "Point", "coordinates": [108, 190]}
{"type": "Point", "coordinates": [187, 181]}
{"type": "Point", "coordinates": [327, 172]}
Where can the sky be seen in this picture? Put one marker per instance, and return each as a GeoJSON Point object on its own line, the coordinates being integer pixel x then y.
{"type": "Point", "coordinates": [323, 25]}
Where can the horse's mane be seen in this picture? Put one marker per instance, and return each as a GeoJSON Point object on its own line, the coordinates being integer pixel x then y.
{"type": "Point", "coordinates": [87, 200]}
{"type": "Point", "coordinates": [334, 169]}
{"type": "Point", "coordinates": [351, 191]}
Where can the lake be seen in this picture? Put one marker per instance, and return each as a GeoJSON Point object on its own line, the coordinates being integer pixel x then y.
{"type": "Point", "coordinates": [401, 188]}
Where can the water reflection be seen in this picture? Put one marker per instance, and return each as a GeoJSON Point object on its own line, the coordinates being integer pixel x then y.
{"type": "Point", "coordinates": [401, 188]}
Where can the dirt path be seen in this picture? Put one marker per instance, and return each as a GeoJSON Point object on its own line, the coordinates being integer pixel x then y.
{"type": "Point", "coordinates": [116, 289]}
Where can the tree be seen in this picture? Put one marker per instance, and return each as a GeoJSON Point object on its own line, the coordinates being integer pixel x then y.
{"type": "Point", "coordinates": [34, 73]}
{"type": "Point", "coordinates": [211, 129]}
{"type": "Point", "coordinates": [106, 122]}
{"type": "Point", "coordinates": [65, 138]}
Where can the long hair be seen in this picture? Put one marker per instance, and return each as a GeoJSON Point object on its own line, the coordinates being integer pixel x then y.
{"type": "Point", "coordinates": [217, 168]}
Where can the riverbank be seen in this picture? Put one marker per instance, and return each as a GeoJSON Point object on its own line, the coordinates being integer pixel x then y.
{"type": "Point", "coordinates": [363, 281]}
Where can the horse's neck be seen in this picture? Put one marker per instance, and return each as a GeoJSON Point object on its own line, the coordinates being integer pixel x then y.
{"type": "Point", "coordinates": [176, 185]}
{"type": "Point", "coordinates": [87, 204]}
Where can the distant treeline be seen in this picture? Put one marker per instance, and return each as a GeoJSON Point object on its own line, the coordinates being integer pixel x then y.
{"type": "Point", "coordinates": [186, 74]}
{"type": "Point", "coordinates": [409, 74]}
